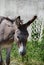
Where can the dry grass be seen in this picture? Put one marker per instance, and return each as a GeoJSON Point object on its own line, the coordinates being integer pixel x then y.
{"type": "Point", "coordinates": [31, 62]}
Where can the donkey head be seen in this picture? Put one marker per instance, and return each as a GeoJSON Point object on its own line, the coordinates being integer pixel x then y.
{"type": "Point", "coordinates": [21, 34]}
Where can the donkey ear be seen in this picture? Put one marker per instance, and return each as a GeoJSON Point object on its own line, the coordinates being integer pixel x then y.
{"type": "Point", "coordinates": [18, 21]}
{"type": "Point", "coordinates": [29, 22]}
{"type": "Point", "coordinates": [18, 17]}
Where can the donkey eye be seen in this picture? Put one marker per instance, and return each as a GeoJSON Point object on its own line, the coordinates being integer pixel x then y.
{"type": "Point", "coordinates": [17, 36]}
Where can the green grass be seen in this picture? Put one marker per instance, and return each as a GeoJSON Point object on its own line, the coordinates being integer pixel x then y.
{"type": "Point", "coordinates": [34, 55]}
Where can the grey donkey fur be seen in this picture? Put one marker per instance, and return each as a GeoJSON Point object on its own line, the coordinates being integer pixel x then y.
{"type": "Point", "coordinates": [10, 31]}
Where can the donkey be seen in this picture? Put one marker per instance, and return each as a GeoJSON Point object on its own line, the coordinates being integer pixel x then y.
{"type": "Point", "coordinates": [10, 31]}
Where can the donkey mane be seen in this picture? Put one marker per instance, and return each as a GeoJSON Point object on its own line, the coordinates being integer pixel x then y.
{"type": "Point", "coordinates": [11, 20]}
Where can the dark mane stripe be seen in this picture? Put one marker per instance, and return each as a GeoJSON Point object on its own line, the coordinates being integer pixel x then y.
{"type": "Point", "coordinates": [11, 20]}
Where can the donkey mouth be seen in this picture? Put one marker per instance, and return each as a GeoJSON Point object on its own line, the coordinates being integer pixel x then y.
{"type": "Point", "coordinates": [22, 53]}
{"type": "Point", "coordinates": [22, 50]}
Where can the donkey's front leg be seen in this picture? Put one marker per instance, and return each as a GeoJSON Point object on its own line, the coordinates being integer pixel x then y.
{"type": "Point", "coordinates": [1, 61]}
{"type": "Point", "coordinates": [8, 56]}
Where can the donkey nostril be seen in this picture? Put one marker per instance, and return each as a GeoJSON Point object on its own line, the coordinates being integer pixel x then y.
{"type": "Point", "coordinates": [22, 53]}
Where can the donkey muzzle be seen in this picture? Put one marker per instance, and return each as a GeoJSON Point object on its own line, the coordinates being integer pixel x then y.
{"type": "Point", "coordinates": [22, 50]}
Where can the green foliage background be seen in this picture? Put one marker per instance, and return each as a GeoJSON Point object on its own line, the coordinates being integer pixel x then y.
{"type": "Point", "coordinates": [35, 51]}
